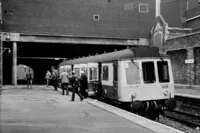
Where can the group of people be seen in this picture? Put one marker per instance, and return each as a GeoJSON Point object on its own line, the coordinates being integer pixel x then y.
{"type": "Point", "coordinates": [79, 84]}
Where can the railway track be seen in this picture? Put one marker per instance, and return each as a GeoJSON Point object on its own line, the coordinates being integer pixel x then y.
{"type": "Point", "coordinates": [191, 120]}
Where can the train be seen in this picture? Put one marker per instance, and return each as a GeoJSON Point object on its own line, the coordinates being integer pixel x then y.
{"type": "Point", "coordinates": [139, 77]}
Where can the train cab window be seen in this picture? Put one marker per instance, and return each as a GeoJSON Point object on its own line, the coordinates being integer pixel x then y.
{"type": "Point", "coordinates": [105, 73]}
{"type": "Point", "coordinates": [148, 72]}
{"type": "Point", "coordinates": [132, 73]}
{"type": "Point", "coordinates": [163, 71]}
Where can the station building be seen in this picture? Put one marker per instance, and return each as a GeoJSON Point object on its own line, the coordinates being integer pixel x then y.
{"type": "Point", "coordinates": [177, 32]}
{"type": "Point", "coordinates": [71, 28]}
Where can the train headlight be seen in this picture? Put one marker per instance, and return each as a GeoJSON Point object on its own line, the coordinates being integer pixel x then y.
{"type": "Point", "coordinates": [133, 95]}
{"type": "Point", "coordinates": [166, 93]}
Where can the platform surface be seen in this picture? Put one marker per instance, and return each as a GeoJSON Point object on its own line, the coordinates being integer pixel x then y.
{"type": "Point", "coordinates": [188, 92]}
{"type": "Point", "coordinates": [43, 110]}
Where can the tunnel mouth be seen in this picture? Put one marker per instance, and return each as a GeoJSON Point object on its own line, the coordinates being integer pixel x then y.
{"type": "Point", "coordinates": [40, 57]}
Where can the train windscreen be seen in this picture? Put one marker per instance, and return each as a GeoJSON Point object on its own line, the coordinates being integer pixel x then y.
{"type": "Point", "coordinates": [132, 73]}
{"type": "Point", "coordinates": [148, 72]}
{"type": "Point", "coordinates": [163, 71]}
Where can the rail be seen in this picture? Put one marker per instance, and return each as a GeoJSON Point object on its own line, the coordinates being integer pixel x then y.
{"type": "Point", "coordinates": [191, 120]}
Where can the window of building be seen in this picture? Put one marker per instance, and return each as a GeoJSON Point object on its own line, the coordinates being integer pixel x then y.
{"type": "Point", "coordinates": [105, 73]}
{"type": "Point", "coordinates": [163, 71]}
{"type": "Point", "coordinates": [96, 17]}
{"type": "Point", "coordinates": [143, 8]}
{"type": "Point", "coordinates": [158, 38]}
{"type": "Point", "coordinates": [132, 73]}
{"type": "Point", "coordinates": [148, 72]}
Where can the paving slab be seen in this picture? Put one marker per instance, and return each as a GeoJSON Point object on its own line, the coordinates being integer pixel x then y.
{"type": "Point", "coordinates": [43, 110]}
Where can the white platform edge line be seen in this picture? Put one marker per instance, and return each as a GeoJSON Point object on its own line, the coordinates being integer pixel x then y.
{"type": "Point", "coordinates": [151, 125]}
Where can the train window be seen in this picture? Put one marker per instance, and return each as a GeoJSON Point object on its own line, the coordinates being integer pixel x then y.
{"type": "Point", "coordinates": [148, 72]}
{"type": "Point", "coordinates": [90, 74]}
{"type": "Point", "coordinates": [163, 71]}
{"type": "Point", "coordinates": [132, 73]}
{"type": "Point", "coordinates": [77, 72]}
{"type": "Point", "coordinates": [93, 73]}
{"type": "Point", "coordinates": [69, 70]}
{"type": "Point", "coordinates": [115, 72]}
{"type": "Point", "coordinates": [105, 73]}
{"type": "Point", "coordinates": [84, 70]}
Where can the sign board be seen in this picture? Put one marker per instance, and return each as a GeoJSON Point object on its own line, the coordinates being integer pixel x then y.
{"type": "Point", "coordinates": [189, 61]}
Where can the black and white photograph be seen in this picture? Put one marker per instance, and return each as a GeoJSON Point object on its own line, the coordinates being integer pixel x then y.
{"type": "Point", "coordinates": [99, 66]}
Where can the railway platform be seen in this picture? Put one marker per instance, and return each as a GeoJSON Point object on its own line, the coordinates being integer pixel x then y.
{"type": "Point", "coordinates": [189, 92]}
{"type": "Point", "coordinates": [44, 110]}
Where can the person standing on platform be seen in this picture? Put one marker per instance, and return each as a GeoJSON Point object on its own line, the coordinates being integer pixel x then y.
{"type": "Point", "coordinates": [75, 87]}
{"type": "Point", "coordinates": [29, 78]}
{"type": "Point", "coordinates": [83, 84]}
{"type": "Point", "coordinates": [64, 77]}
{"type": "Point", "coordinates": [48, 76]}
{"type": "Point", "coordinates": [54, 78]}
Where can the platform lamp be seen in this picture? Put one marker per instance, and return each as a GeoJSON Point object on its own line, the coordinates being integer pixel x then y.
{"type": "Point", "coordinates": [2, 50]}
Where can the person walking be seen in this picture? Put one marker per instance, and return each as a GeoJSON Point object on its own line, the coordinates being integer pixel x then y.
{"type": "Point", "coordinates": [54, 78]}
{"type": "Point", "coordinates": [64, 77]}
{"type": "Point", "coordinates": [48, 76]}
{"type": "Point", "coordinates": [75, 85]}
{"type": "Point", "coordinates": [29, 78]}
{"type": "Point", "coordinates": [83, 84]}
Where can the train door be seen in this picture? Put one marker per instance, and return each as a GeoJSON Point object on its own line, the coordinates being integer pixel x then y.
{"type": "Point", "coordinates": [109, 80]}
{"type": "Point", "coordinates": [115, 79]}
{"type": "Point", "coordinates": [76, 68]}
{"type": "Point", "coordinates": [92, 78]}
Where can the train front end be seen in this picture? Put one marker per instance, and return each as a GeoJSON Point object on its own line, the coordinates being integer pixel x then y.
{"type": "Point", "coordinates": [147, 84]}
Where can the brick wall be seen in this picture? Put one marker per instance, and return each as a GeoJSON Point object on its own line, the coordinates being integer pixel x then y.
{"type": "Point", "coordinates": [1, 63]}
{"type": "Point", "coordinates": [179, 49]}
{"type": "Point", "coordinates": [178, 65]}
{"type": "Point", "coordinates": [117, 18]}
{"type": "Point", "coordinates": [197, 65]}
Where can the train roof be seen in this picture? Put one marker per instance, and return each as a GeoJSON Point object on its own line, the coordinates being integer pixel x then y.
{"type": "Point", "coordinates": [134, 52]}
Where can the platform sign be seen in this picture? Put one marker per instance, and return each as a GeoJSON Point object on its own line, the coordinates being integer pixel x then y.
{"type": "Point", "coordinates": [189, 61]}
